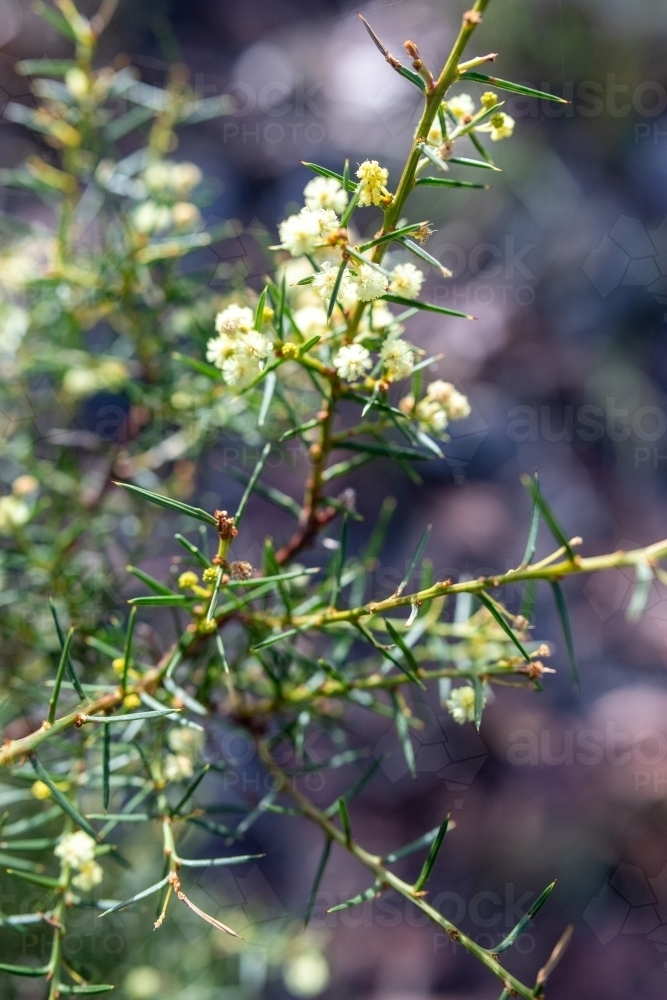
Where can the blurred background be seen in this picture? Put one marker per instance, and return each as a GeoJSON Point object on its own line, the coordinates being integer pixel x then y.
{"type": "Point", "coordinates": [564, 264]}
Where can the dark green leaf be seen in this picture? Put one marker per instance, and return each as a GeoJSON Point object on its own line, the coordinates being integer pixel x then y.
{"type": "Point", "coordinates": [561, 607]}
{"type": "Point", "coordinates": [448, 182]}
{"type": "Point", "coordinates": [464, 161]}
{"type": "Point", "coordinates": [150, 581]}
{"type": "Point", "coordinates": [24, 970]}
{"type": "Point", "coordinates": [269, 389]}
{"type": "Point", "coordinates": [276, 496]}
{"type": "Point", "coordinates": [173, 505]}
{"type": "Point", "coordinates": [395, 234]}
{"type": "Point", "coordinates": [196, 553]}
{"type": "Point", "coordinates": [424, 255]}
{"type": "Point", "coordinates": [371, 893]}
{"type": "Point", "coordinates": [218, 862]}
{"type": "Point", "coordinates": [139, 895]}
{"type": "Point", "coordinates": [94, 988]}
{"type": "Point", "coordinates": [64, 656]}
{"type": "Point", "coordinates": [414, 562]}
{"type": "Point", "coordinates": [162, 601]}
{"type": "Point", "coordinates": [427, 306]}
{"type": "Point", "coordinates": [533, 488]}
{"type": "Point", "coordinates": [259, 311]}
{"type": "Point", "coordinates": [55, 19]}
{"type": "Point", "coordinates": [336, 288]}
{"type": "Point", "coordinates": [198, 366]}
{"type": "Point", "coordinates": [412, 667]}
{"type": "Point", "coordinates": [427, 868]}
{"type": "Point", "coordinates": [495, 613]}
{"type": "Point", "coordinates": [257, 471]}
{"type": "Point", "coordinates": [318, 878]}
{"type": "Point", "coordinates": [345, 821]}
{"type": "Point", "coordinates": [61, 799]}
{"type": "Point", "coordinates": [530, 913]}
{"type": "Point", "coordinates": [514, 88]}
{"type": "Point", "coordinates": [44, 881]}
{"type": "Point", "coordinates": [127, 651]}
{"type": "Point", "coordinates": [415, 845]}
{"type": "Point", "coordinates": [61, 639]}
{"type": "Point", "coordinates": [325, 172]}
{"type": "Point", "coordinates": [409, 74]}
{"type": "Point", "coordinates": [387, 450]}
{"type": "Point", "coordinates": [534, 526]}
{"type": "Point", "coordinates": [106, 760]}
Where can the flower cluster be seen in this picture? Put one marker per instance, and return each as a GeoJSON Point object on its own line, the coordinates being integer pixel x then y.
{"type": "Point", "coordinates": [77, 850]}
{"type": "Point", "coordinates": [308, 230]}
{"type": "Point", "coordinates": [441, 404]}
{"type": "Point", "coordinates": [238, 350]}
{"type": "Point", "coordinates": [461, 703]}
{"type": "Point", "coordinates": [186, 744]}
{"type": "Point", "coordinates": [461, 110]}
{"type": "Point", "coordinates": [372, 183]}
{"type": "Point", "coordinates": [168, 186]}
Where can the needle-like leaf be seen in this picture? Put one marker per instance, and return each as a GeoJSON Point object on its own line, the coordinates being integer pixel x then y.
{"type": "Point", "coordinates": [371, 893]}
{"type": "Point", "coordinates": [514, 88]}
{"type": "Point", "coordinates": [495, 613]}
{"type": "Point", "coordinates": [561, 608]}
{"type": "Point", "coordinates": [431, 858]}
{"type": "Point", "coordinates": [529, 915]}
{"type": "Point", "coordinates": [61, 639]}
{"type": "Point", "coordinates": [62, 799]}
{"type": "Point", "coordinates": [317, 880]}
{"type": "Point", "coordinates": [64, 656]}
{"type": "Point", "coordinates": [174, 505]}
{"type": "Point", "coordinates": [257, 471]}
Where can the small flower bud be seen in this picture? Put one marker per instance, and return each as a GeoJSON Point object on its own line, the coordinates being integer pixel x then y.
{"type": "Point", "coordinates": [210, 574]}
{"type": "Point", "coordinates": [488, 99]}
{"type": "Point", "coordinates": [226, 528]}
{"type": "Point", "coordinates": [188, 580]}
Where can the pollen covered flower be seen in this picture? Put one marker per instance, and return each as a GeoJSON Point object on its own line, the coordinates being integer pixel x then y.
{"type": "Point", "coordinates": [500, 126]}
{"type": "Point", "coordinates": [325, 281]}
{"type": "Point", "coordinates": [234, 319]}
{"type": "Point", "coordinates": [305, 232]}
{"type": "Point", "coordinates": [448, 396]}
{"type": "Point", "coordinates": [398, 358]}
{"type": "Point", "coordinates": [369, 283]}
{"type": "Point", "coordinates": [75, 849]}
{"type": "Point", "coordinates": [90, 874]}
{"type": "Point", "coordinates": [177, 766]}
{"type": "Point", "coordinates": [372, 181]}
{"type": "Point", "coordinates": [442, 403]}
{"type": "Point", "coordinates": [461, 704]}
{"type": "Point", "coordinates": [237, 354]}
{"type": "Point", "coordinates": [325, 192]}
{"type": "Point", "coordinates": [311, 320]}
{"type": "Point", "coordinates": [352, 361]}
{"type": "Point", "coordinates": [462, 106]}
{"type": "Point", "coordinates": [406, 280]}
